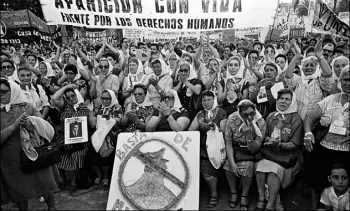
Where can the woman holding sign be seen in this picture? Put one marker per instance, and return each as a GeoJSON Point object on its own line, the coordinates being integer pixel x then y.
{"type": "Point", "coordinates": [267, 104]}
{"type": "Point", "coordinates": [70, 103]}
{"type": "Point", "coordinates": [328, 143]}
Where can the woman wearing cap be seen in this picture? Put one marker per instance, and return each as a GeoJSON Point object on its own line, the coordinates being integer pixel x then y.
{"type": "Point", "coordinates": [138, 110]}
{"type": "Point", "coordinates": [100, 153]}
{"type": "Point", "coordinates": [70, 103]}
{"type": "Point", "coordinates": [16, 185]}
{"type": "Point", "coordinates": [205, 120]}
{"type": "Point", "coordinates": [234, 87]}
{"type": "Point", "coordinates": [244, 134]}
{"type": "Point", "coordinates": [310, 88]}
{"type": "Point", "coordinates": [189, 88]}
{"type": "Point", "coordinates": [284, 131]}
{"type": "Point", "coordinates": [270, 77]}
{"type": "Point", "coordinates": [169, 116]}
{"type": "Point", "coordinates": [330, 142]}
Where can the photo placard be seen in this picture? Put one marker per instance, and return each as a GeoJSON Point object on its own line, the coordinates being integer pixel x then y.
{"type": "Point", "coordinates": [75, 130]}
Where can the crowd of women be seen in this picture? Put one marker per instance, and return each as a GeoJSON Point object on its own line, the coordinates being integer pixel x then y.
{"type": "Point", "coordinates": [283, 110]}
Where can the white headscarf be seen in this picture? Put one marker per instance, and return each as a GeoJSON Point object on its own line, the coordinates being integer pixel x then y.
{"type": "Point", "coordinates": [335, 77]}
{"type": "Point", "coordinates": [164, 66]}
{"type": "Point", "coordinates": [168, 60]}
{"type": "Point", "coordinates": [240, 72]}
{"type": "Point", "coordinates": [80, 99]}
{"type": "Point", "coordinates": [17, 96]}
{"type": "Point", "coordinates": [317, 73]}
{"type": "Point", "coordinates": [50, 72]}
{"type": "Point", "coordinates": [114, 100]}
{"type": "Point", "coordinates": [110, 68]}
{"type": "Point", "coordinates": [193, 73]}
{"type": "Point", "coordinates": [131, 76]}
{"type": "Point", "coordinates": [293, 107]}
{"type": "Point", "coordinates": [256, 117]}
{"type": "Point", "coordinates": [209, 112]}
{"type": "Point", "coordinates": [177, 103]}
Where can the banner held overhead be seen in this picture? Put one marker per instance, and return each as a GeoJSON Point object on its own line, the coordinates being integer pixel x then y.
{"type": "Point", "coordinates": [160, 14]}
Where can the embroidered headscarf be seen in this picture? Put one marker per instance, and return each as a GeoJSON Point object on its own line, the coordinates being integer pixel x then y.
{"type": "Point", "coordinates": [177, 103]}
{"type": "Point", "coordinates": [114, 100]}
{"type": "Point", "coordinates": [209, 112]}
{"type": "Point", "coordinates": [50, 72]}
{"type": "Point", "coordinates": [256, 117]}
{"type": "Point", "coordinates": [293, 107]}
{"type": "Point", "coordinates": [317, 73]}
{"type": "Point", "coordinates": [17, 96]}
{"type": "Point", "coordinates": [80, 99]}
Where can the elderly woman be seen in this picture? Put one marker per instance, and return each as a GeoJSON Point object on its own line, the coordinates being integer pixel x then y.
{"type": "Point", "coordinates": [35, 94]}
{"type": "Point", "coordinates": [337, 65]}
{"type": "Point", "coordinates": [170, 115]}
{"type": "Point", "coordinates": [47, 78]}
{"type": "Point", "coordinates": [160, 81]}
{"type": "Point", "coordinates": [234, 87]}
{"type": "Point", "coordinates": [330, 142]}
{"type": "Point", "coordinates": [172, 62]}
{"type": "Point", "coordinates": [205, 120]}
{"type": "Point", "coordinates": [100, 161]}
{"type": "Point", "coordinates": [105, 79]}
{"type": "Point", "coordinates": [7, 69]}
{"type": "Point", "coordinates": [70, 103]}
{"type": "Point", "coordinates": [244, 134]}
{"type": "Point", "coordinates": [189, 88]}
{"type": "Point", "coordinates": [138, 110]}
{"type": "Point", "coordinates": [270, 76]}
{"type": "Point", "coordinates": [284, 132]}
{"type": "Point", "coordinates": [136, 76]}
{"type": "Point", "coordinates": [19, 186]}
{"type": "Point", "coordinates": [310, 87]}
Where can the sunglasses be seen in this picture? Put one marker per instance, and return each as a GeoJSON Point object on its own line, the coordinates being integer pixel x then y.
{"type": "Point", "coordinates": [167, 98]}
{"type": "Point", "coordinates": [71, 97]}
{"type": "Point", "coordinates": [6, 67]}
{"type": "Point", "coordinates": [4, 92]}
{"type": "Point", "coordinates": [183, 70]}
{"type": "Point", "coordinates": [103, 66]}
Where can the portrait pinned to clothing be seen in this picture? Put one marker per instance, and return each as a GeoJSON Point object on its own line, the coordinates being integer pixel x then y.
{"type": "Point", "coordinates": [75, 130]}
{"type": "Point", "coordinates": [156, 171]}
{"type": "Point", "coordinates": [143, 54]}
{"type": "Point", "coordinates": [262, 95]}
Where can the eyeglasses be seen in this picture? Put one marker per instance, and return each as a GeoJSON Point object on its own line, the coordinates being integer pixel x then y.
{"type": "Point", "coordinates": [106, 98]}
{"type": "Point", "coordinates": [183, 70]}
{"type": "Point", "coordinates": [71, 97]}
{"type": "Point", "coordinates": [4, 92]}
{"type": "Point", "coordinates": [6, 67]}
{"type": "Point", "coordinates": [138, 94]}
{"type": "Point", "coordinates": [172, 59]}
{"type": "Point", "coordinates": [103, 67]}
{"type": "Point", "coordinates": [168, 98]}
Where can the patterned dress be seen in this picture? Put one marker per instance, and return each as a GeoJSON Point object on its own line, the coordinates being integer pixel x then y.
{"type": "Point", "coordinates": [75, 160]}
{"type": "Point", "coordinates": [206, 167]}
{"type": "Point", "coordinates": [142, 114]}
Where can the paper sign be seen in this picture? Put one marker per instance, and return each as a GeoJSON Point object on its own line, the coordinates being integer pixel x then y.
{"type": "Point", "coordinates": [155, 171]}
{"type": "Point", "coordinates": [75, 130]}
{"type": "Point", "coordinates": [337, 130]}
{"type": "Point", "coordinates": [275, 88]}
{"type": "Point", "coordinates": [262, 96]}
{"type": "Point", "coordinates": [143, 54]}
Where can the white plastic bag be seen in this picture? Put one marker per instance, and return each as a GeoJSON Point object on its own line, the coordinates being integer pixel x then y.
{"type": "Point", "coordinates": [216, 147]}
{"type": "Point", "coordinates": [100, 134]}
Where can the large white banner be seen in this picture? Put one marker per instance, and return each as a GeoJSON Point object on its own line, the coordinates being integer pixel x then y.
{"type": "Point", "coordinates": [168, 15]}
{"type": "Point", "coordinates": [156, 171]}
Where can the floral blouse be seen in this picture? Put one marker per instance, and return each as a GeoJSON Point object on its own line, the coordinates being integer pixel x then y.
{"type": "Point", "coordinates": [233, 130]}
{"type": "Point", "coordinates": [336, 116]}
